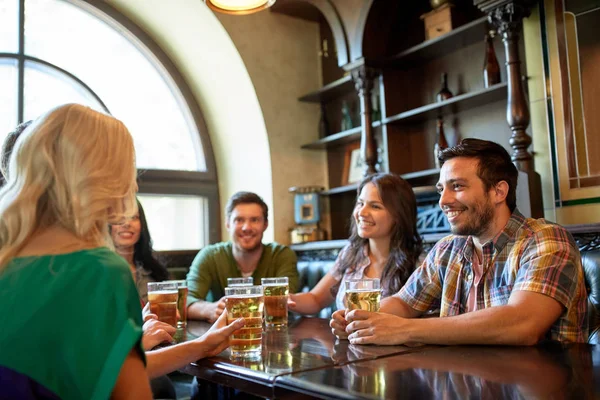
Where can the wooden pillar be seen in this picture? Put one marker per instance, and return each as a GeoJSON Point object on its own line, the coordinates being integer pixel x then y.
{"type": "Point", "coordinates": [507, 17]}
{"type": "Point", "coordinates": [364, 77]}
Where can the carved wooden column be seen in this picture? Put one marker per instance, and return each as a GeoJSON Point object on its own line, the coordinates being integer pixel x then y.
{"type": "Point", "coordinates": [507, 17]}
{"type": "Point", "coordinates": [363, 77]}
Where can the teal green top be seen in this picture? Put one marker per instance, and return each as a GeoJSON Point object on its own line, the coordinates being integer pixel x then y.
{"type": "Point", "coordinates": [68, 321]}
{"type": "Point", "coordinates": [215, 263]}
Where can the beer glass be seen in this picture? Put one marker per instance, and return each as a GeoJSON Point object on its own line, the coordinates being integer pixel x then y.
{"type": "Point", "coordinates": [249, 281]}
{"type": "Point", "coordinates": [245, 302]}
{"type": "Point", "coordinates": [276, 292]}
{"type": "Point", "coordinates": [363, 294]}
{"type": "Point", "coordinates": [162, 297]}
{"type": "Point", "coordinates": [182, 291]}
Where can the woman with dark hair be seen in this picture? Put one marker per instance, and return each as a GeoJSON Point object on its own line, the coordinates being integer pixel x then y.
{"type": "Point", "coordinates": [384, 243]}
{"type": "Point", "coordinates": [133, 242]}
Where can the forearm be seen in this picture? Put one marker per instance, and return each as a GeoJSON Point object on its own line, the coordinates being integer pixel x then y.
{"type": "Point", "coordinates": [199, 310]}
{"type": "Point", "coordinates": [168, 359]}
{"type": "Point", "coordinates": [396, 306]}
{"type": "Point", "coordinates": [307, 303]}
{"type": "Point", "coordinates": [504, 325]}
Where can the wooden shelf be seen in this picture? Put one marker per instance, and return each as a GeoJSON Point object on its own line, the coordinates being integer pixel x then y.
{"type": "Point", "coordinates": [337, 139]}
{"type": "Point", "coordinates": [421, 174]}
{"type": "Point", "coordinates": [330, 91]}
{"type": "Point", "coordinates": [453, 105]}
{"type": "Point", "coordinates": [418, 190]}
{"type": "Point", "coordinates": [456, 39]}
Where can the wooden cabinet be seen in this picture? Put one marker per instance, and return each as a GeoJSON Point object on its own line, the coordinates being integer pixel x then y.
{"type": "Point", "coordinates": [401, 69]}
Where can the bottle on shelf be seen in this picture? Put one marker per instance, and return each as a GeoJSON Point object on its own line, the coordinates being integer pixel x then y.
{"type": "Point", "coordinates": [491, 68]}
{"type": "Point", "coordinates": [323, 123]}
{"type": "Point", "coordinates": [444, 93]}
{"type": "Point", "coordinates": [440, 142]}
{"type": "Point", "coordinates": [346, 117]}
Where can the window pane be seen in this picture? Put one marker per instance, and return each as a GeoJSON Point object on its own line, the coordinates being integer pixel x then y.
{"type": "Point", "coordinates": [46, 88]}
{"type": "Point", "coordinates": [122, 75]}
{"type": "Point", "coordinates": [176, 222]}
{"type": "Point", "coordinates": [9, 29]}
{"type": "Point", "coordinates": [8, 99]}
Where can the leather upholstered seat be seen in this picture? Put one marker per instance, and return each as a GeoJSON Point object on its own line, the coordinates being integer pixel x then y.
{"type": "Point", "coordinates": [311, 273]}
{"type": "Point", "coordinates": [591, 266]}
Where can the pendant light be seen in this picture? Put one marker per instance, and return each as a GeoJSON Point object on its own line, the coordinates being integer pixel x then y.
{"type": "Point", "coordinates": [239, 7]}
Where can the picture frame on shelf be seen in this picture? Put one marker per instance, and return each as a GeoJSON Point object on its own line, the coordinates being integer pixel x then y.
{"type": "Point", "coordinates": [353, 165]}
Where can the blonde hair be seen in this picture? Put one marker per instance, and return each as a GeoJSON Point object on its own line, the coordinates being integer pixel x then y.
{"type": "Point", "coordinates": [72, 167]}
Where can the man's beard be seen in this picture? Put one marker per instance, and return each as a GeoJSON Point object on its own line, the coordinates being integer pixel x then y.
{"type": "Point", "coordinates": [478, 223]}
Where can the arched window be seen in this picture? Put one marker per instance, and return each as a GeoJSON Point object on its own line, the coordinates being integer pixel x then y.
{"type": "Point", "coordinates": [57, 51]}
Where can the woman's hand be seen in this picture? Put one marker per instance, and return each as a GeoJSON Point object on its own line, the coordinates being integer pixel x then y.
{"type": "Point", "coordinates": [338, 324]}
{"type": "Point", "coordinates": [217, 338]}
{"type": "Point", "coordinates": [156, 332]}
{"type": "Point", "coordinates": [290, 301]}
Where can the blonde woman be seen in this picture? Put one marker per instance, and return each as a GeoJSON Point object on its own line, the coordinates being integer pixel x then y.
{"type": "Point", "coordinates": [70, 312]}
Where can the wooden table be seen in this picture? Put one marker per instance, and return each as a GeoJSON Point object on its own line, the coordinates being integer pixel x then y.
{"type": "Point", "coordinates": [307, 361]}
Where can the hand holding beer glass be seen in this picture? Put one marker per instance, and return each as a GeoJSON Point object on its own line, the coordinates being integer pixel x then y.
{"type": "Point", "coordinates": [162, 297]}
{"type": "Point", "coordinates": [245, 302]}
{"type": "Point", "coordinates": [276, 292]}
{"type": "Point", "coordinates": [363, 294]}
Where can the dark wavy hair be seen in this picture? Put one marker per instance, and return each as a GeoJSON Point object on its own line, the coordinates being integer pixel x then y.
{"type": "Point", "coordinates": [144, 254]}
{"type": "Point", "coordinates": [406, 244]}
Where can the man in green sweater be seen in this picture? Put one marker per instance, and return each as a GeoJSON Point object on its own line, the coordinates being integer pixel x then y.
{"type": "Point", "coordinates": [243, 256]}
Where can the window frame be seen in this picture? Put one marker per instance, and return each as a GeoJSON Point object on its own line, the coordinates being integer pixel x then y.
{"type": "Point", "coordinates": [150, 181]}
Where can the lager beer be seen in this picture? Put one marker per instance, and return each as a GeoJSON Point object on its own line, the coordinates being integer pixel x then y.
{"type": "Point", "coordinates": [182, 306]}
{"type": "Point", "coordinates": [249, 281]}
{"type": "Point", "coordinates": [245, 302]}
{"type": "Point", "coordinates": [363, 300]}
{"type": "Point", "coordinates": [163, 303]}
{"type": "Point", "coordinates": [276, 292]}
{"type": "Point", "coordinates": [363, 294]}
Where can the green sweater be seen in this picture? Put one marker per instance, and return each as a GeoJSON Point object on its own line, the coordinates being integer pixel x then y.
{"type": "Point", "coordinates": [215, 263]}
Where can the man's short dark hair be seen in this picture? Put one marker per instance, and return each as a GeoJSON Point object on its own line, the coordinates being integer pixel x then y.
{"type": "Point", "coordinates": [246, 198]}
{"type": "Point", "coordinates": [494, 164]}
{"type": "Point", "coordinates": [9, 144]}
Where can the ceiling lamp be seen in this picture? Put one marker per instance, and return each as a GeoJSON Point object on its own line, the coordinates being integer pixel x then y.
{"type": "Point", "coordinates": [239, 7]}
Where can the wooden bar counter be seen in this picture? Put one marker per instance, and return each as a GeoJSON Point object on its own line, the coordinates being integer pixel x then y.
{"type": "Point", "coordinates": [307, 361]}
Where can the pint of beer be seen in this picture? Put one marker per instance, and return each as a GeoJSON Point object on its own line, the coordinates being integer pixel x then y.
{"type": "Point", "coordinates": [363, 294]}
{"type": "Point", "coordinates": [240, 281]}
{"type": "Point", "coordinates": [162, 297]}
{"type": "Point", "coordinates": [245, 302]}
{"type": "Point", "coordinates": [276, 292]}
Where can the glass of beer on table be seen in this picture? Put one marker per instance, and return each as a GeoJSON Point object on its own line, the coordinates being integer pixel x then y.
{"type": "Point", "coordinates": [276, 292]}
{"type": "Point", "coordinates": [162, 297]}
{"type": "Point", "coordinates": [182, 291]}
{"type": "Point", "coordinates": [249, 281]}
{"type": "Point", "coordinates": [245, 302]}
{"type": "Point", "coordinates": [363, 294]}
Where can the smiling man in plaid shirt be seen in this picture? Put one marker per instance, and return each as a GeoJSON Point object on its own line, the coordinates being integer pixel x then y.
{"type": "Point", "coordinates": [500, 278]}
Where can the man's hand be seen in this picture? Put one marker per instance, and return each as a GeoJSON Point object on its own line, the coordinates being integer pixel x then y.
{"type": "Point", "coordinates": [217, 338]}
{"type": "Point", "coordinates": [366, 327]}
{"type": "Point", "coordinates": [215, 310]}
{"type": "Point", "coordinates": [338, 324]}
{"type": "Point", "coordinates": [156, 332]}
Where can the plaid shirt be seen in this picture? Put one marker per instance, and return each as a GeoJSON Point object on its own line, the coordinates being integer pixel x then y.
{"type": "Point", "coordinates": [529, 254]}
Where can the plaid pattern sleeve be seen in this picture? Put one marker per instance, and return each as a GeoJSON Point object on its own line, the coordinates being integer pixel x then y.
{"type": "Point", "coordinates": [423, 289]}
{"type": "Point", "coordinates": [550, 264]}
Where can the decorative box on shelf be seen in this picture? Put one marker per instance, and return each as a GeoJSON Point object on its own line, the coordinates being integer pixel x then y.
{"type": "Point", "coordinates": [442, 20]}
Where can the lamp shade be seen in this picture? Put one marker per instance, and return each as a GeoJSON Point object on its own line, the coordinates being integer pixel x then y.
{"type": "Point", "coordinates": [239, 7]}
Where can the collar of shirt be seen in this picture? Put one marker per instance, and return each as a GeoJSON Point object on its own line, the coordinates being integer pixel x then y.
{"type": "Point", "coordinates": [515, 222]}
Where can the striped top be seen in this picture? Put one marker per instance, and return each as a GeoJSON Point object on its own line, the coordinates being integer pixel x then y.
{"type": "Point", "coordinates": [529, 254]}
